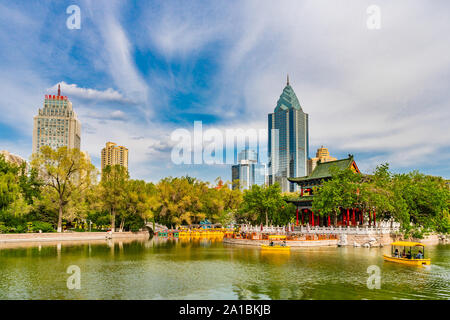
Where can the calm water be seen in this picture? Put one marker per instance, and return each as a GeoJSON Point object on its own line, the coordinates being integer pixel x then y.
{"type": "Point", "coordinates": [156, 269]}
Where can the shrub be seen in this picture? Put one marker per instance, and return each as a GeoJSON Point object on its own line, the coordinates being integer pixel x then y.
{"type": "Point", "coordinates": [44, 226]}
{"type": "Point", "coordinates": [418, 234]}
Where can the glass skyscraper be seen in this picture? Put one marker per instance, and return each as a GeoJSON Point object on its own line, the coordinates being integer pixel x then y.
{"type": "Point", "coordinates": [248, 171]}
{"type": "Point", "coordinates": [56, 124]}
{"type": "Point", "coordinates": [288, 140]}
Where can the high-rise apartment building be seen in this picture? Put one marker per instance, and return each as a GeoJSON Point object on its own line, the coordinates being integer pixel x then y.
{"type": "Point", "coordinates": [288, 140]}
{"type": "Point", "coordinates": [322, 155]}
{"type": "Point", "coordinates": [56, 124]}
{"type": "Point", "coordinates": [12, 158]}
{"type": "Point", "coordinates": [113, 154]}
{"type": "Point", "coordinates": [248, 171]}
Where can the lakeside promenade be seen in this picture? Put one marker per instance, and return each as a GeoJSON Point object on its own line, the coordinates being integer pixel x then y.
{"type": "Point", "coordinates": [70, 236]}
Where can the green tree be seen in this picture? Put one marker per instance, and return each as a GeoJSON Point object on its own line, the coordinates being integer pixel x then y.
{"type": "Point", "coordinates": [341, 191]}
{"type": "Point", "coordinates": [64, 172]}
{"type": "Point", "coordinates": [141, 202]}
{"type": "Point", "coordinates": [425, 200]}
{"type": "Point", "coordinates": [113, 190]}
{"type": "Point", "coordinates": [29, 183]}
{"type": "Point", "coordinates": [262, 204]}
{"type": "Point", "coordinates": [180, 201]}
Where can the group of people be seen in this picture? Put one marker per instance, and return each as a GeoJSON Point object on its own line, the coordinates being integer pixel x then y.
{"type": "Point", "coordinates": [408, 255]}
{"type": "Point", "coordinates": [283, 244]}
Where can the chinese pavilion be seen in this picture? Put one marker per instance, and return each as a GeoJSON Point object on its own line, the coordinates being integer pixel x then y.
{"type": "Point", "coordinates": [321, 173]}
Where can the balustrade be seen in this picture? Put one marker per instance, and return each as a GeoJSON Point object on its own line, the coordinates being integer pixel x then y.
{"type": "Point", "coordinates": [381, 228]}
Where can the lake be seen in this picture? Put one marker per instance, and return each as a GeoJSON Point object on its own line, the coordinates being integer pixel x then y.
{"type": "Point", "coordinates": [205, 269]}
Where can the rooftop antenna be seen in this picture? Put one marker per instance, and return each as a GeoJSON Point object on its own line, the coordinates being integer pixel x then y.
{"type": "Point", "coordinates": [59, 89]}
{"type": "Point", "coordinates": [287, 79]}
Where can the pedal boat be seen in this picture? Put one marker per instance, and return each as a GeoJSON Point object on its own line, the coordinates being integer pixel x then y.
{"type": "Point", "coordinates": [275, 248]}
{"type": "Point", "coordinates": [408, 261]}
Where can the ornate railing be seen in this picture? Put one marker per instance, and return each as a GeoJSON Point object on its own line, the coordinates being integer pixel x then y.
{"type": "Point", "coordinates": [383, 227]}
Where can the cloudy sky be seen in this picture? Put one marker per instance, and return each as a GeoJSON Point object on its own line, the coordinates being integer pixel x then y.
{"type": "Point", "coordinates": [138, 70]}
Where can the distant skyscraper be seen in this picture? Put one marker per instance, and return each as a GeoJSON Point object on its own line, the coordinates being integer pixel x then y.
{"type": "Point", "coordinates": [248, 171]}
{"type": "Point", "coordinates": [322, 155]}
{"type": "Point", "coordinates": [56, 124]}
{"type": "Point", "coordinates": [288, 140]}
{"type": "Point", "coordinates": [113, 154]}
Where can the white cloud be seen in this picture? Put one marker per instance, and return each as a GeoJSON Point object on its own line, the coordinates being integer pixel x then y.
{"type": "Point", "coordinates": [88, 93]}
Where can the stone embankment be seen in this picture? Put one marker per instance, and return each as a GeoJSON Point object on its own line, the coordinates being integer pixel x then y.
{"type": "Point", "coordinates": [70, 236]}
{"type": "Point", "coordinates": [379, 240]}
{"type": "Point", "coordinates": [432, 239]}
{"type": "Point", "coordinates": [292, 243]}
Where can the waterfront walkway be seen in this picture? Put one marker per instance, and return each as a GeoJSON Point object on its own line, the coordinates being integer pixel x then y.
{"type": "Point", "coordinates": [69, 236]}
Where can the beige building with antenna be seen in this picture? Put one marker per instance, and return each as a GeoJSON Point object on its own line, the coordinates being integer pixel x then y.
{"type": "Point", "coordinates": [56, 124]}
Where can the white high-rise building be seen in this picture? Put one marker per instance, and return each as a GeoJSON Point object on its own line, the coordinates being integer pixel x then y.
{"type": "Point", "coordinates": [248, 171]}
{"type": "Point", "coordinates": [56, 124]}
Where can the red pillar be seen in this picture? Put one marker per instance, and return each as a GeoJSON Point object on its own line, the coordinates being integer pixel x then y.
{"type": "Point", "coordinates": [301, 192]}
{"type": "Point", "coordinates": [353, 217]}
{"type": "Point", "coordinates": [374, 218]}
{"type": "Point", "coordinates": [296, 213]}
{"type": "Point", "coordinates": [343, 216]}
{"type": "Point", "coordinates": [329, 222]}
{"type": "Point", "coordinates": [370, 218]}
{"type": "Point", "coordinates": [348, 217]}
{"type": "Point", "coordinates": [312, 218]}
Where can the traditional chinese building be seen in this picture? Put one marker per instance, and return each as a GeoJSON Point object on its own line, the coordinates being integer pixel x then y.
{"type": "Point", "coordinates": [321, 173]}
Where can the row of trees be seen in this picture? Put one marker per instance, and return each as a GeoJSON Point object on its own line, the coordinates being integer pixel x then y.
{"type": "Point", "coordinates": [419, 202]}
{"type": "Point", "coordinates": [61, 187]}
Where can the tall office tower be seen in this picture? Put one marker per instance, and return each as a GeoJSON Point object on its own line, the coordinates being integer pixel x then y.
{"type": "Point", "coordinates": [113, 154]}
{"type": "Point", "coordinates": [288, 140]}
{"type": "Point", "coordinates": [248, 171]}
{"type": "Point", "coordinates": [322, 155]}
{"type": "Point", "coordinates": [56, 124]}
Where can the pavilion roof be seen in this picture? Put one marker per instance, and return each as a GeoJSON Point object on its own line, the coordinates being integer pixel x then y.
{"type": "Point", "coordinates": [300, 199]}
{"type": "Point", "coordinates": [322, 170]}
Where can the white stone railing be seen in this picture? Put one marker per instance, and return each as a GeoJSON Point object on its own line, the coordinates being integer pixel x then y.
{"type": "Point", "coordinates": [346, 230]}
{"type": "Point", "coordinates": [381, 228]}
{"type": "Point", "coordinates": [265, 229]}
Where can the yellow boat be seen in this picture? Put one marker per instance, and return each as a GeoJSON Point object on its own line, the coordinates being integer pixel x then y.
{"type": "Point", "coordinates": [410, 258]}
{"type": "Point", "coordinates": [276, 248]}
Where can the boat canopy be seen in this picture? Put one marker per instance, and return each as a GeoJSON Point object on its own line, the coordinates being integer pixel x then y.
{"type": "Point", "coordinates": [407, 244]}
{"type": "Point", "coordinates": [277, 237]}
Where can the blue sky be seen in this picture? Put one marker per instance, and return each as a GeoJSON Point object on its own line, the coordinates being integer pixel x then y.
{"type": "Point", "coordinates": [138, 70]}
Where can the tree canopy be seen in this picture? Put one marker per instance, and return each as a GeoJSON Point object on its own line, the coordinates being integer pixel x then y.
{"type": "Point", "coordinates": [419, 202]}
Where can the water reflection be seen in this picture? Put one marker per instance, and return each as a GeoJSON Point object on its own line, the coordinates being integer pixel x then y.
{"type": "Point", "coordinates": [275, 258]}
